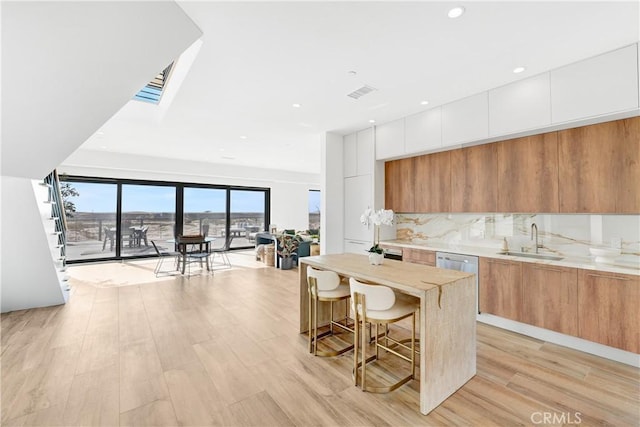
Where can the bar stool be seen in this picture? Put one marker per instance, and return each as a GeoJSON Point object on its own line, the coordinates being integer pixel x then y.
{"type": "Point", "coordinates": [325, 286]}
{"type": "Point", "coordinates": [379, 305]}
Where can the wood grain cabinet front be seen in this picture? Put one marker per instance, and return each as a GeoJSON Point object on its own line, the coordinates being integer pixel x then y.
{"type": "Point", "coordinates": [500, 288]}
{"type": "Point", "coordinates": [474, 184]}
{"type": "Point", "coordinates": [608, 309]}
{"type": "Point", "coordinates": [399, 183]}
{"type": "Point", "coordinates": [432, 185]}
{"type": "Point", "coordinates": [599, 168]}
{"type": "Point", "coordinates": [419, 256]}
{"type": "Point", "coordinates": [528, 174]}
{"type": "Point", "coordinates": [550, 297]}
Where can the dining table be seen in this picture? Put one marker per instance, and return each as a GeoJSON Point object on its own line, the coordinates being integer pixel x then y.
{"type": "Point", "coordinates": [202, 253]}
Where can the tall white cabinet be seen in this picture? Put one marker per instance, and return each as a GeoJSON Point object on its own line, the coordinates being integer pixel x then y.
{"type": "Point", "coordinates": [359, 189]}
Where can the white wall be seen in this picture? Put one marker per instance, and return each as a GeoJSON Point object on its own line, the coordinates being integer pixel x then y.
{"type": "Point", "coordinates": [29, 278]}
{"type": "Point", "coordinates": [332, 219]}
{"type": "Point", "coordinates": [69, 66]}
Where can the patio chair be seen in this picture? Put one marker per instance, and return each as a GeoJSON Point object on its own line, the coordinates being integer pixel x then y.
{"type": "Point", "coordinates": [223, 251]}
{"type": "Point", "coordinates": [110, 235]}
{"type": "Point", "coordinates": [162, 255]}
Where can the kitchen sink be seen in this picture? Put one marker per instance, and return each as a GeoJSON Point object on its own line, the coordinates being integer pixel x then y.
{"type": "Point", "coordinates": [530, 255]}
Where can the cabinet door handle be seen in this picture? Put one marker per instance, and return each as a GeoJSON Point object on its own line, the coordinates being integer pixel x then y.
{"type": "Point", "coordinates": [547, 268]}
{"type": "Point", "coordinates": [626, 279]}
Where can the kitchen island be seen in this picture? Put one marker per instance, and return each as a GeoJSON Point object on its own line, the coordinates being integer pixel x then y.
{"type": "Point", "coordinates": [447, 321]}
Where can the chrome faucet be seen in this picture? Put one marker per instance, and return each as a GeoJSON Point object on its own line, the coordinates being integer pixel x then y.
{"type": "Point", "coordinates": [534, 227]}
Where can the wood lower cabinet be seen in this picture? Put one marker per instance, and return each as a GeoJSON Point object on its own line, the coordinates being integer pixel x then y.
{"type": "Point", "coordinates": [528, 174]}
{"type": "Point", "coordinates": [599, 168]}
{"type": "Point", "coordinates": [432, 182]}
{"type": "Point", "coordinates": [399, 185]}
{"type": "Point", "coordinates": [419, 256]}
{"type": "Point", "coordinates": [608, 309]}
{"type": "Point", "coordinates": [500, 288]}
{"type": "Point", "coordinates": [474, 184]}
{"type": "Point", "coordinates": [550, 297]}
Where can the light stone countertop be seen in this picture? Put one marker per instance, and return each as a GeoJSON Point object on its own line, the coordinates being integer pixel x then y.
{"type": "Point", "coordinates": [586, 263]}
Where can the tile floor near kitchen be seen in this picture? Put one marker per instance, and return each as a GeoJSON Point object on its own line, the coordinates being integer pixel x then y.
{"type": "Point", "coordinates": [224, 349]}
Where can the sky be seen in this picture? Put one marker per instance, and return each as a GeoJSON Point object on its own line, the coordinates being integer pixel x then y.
{"type": "Point", "coordinates": [147, 198]}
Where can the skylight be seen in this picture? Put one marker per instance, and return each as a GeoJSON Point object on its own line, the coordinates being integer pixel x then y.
{"type": "Point", "coordinates": [152, 92]}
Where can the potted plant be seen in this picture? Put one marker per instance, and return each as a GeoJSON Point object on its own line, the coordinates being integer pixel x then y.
{"type": "Point", "coordinates": [287, 246]}
{"type": "Point", "coordinates": [377, 218]}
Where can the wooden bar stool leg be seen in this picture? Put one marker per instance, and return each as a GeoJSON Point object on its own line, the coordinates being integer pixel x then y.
{"type": "Point", "coordinates": [315, 326]}
{"type": "Point", "coordinates": [356, 332]}
{"type": "Point", "coordinates": [413, 345]}
{"type": "Point", "coordinates": [364, 344]}
{"type": "Point", "coordinates": [310, 323]}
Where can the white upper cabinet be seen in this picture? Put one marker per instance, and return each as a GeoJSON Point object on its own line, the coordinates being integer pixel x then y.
{"type": "Point", "coordinates": [465, 120]}
{"type": "Point", "coordinates": [350, 155]}
{"type": "Point", "coordinates": [423, 131]}
{"type": "Point", "coordinates": [390, 140]}
{"type": "Point", "coordinates": [520, 106]}
{"type": "Point", "coordinates": [365, 152]}
{"type": "Point", "coordinates": [601, 85]}
{"type": "Point", "coordinates": [358, 152]}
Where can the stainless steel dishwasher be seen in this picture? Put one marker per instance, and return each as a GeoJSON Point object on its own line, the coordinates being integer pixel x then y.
{"type": "Point", "coordinates": [464, 263]}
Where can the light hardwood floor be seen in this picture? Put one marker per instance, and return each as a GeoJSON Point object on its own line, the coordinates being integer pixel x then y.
{"type": "Point", "coordinates": [224, 349]}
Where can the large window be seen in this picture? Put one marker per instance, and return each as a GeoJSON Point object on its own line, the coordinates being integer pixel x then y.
{"type": "Point", "coordinates": [314, 210]}
{"type": "Point", "coordinates": [247, 218]}
{"type": "Point", "coordinates": [112, 219]}
{"type": "Point", "coordinates": [148, 213]}
{"type": "Point", "coordinates": [91, 219]}
{"type": "Point", "coordinates": [205, 211]}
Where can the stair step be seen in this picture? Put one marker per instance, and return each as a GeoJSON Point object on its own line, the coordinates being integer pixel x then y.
{"type": "Point", "coordinates": [44, 184]}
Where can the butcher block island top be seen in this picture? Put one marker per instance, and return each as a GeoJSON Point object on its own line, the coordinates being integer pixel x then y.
{"type": "Point", "coordinates": [447, 316]}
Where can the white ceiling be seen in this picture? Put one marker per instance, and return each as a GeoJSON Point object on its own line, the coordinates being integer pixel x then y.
{"type": "Point", "coordinates": [257, 59]}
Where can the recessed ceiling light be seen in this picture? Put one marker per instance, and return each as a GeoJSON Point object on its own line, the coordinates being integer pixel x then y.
{"type": "Point", "coordinates": [221, 149]}
{"type": "Point", "coordinates": [372, 121]}
{"type": "Point", "coordinates": [352, 73]}
{"type": "Point", "coordinates": [456, 12]}
{"type": "Point", "coordinates": [424, 102]}
{"type": "Point", "coordinates": [518, 70]}
{"type": "Point", "coordinates": [243, 136]}
{"type": "Point", "coordinates": [296, 105]}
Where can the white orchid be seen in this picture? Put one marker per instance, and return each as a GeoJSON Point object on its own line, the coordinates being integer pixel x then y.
{"type": "Point", "coordinates": [377, 218]}
{"type": "Point", "coordinates": [365, 218]}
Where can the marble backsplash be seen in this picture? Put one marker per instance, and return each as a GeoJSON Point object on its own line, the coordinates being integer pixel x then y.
{"type": "Point", "coordinates": [566, 234]}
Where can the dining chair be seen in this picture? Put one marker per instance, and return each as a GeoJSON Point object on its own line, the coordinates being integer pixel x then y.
{"type": "Point", "coordinates": [380, 305]}
{"type": "Point", "coordinates": [162, 255]}
{"type": "Point", "coordinates": [325, 286]}
{"type": "Point", "coordinates": [193, 248]}
{"type": "Point", "coordinates": [223, 252]}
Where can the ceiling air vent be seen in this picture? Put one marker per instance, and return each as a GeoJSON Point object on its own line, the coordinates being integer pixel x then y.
{"type": "Point", "coordinates": [357, 94]}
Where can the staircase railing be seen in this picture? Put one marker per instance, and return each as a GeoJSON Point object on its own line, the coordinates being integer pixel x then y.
{"type": "Point", "coordinates": [57, 210]}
